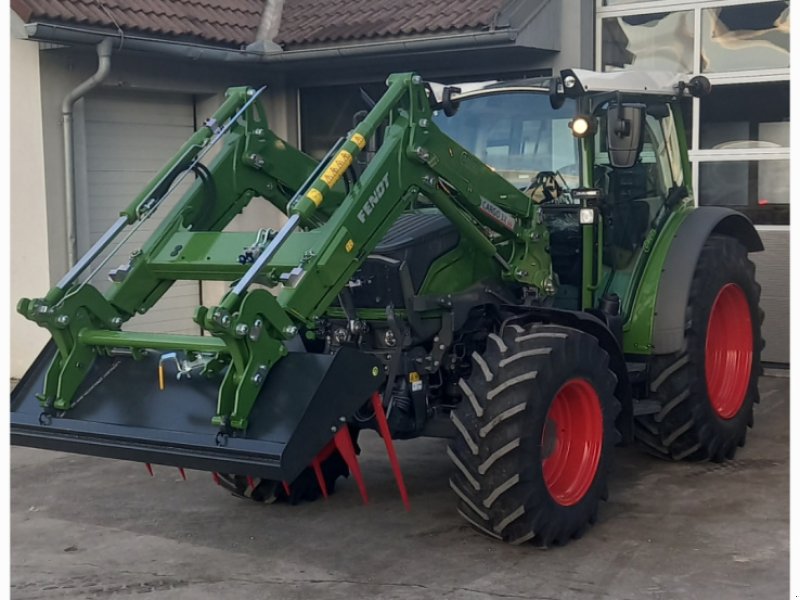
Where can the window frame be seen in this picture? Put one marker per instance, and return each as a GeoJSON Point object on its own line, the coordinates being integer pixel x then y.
{"type": "Point", "coordinates": [697, 155]}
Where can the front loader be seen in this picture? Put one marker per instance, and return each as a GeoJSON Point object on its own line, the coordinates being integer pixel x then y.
{"type": "Point", "coordinates": [519, 267]}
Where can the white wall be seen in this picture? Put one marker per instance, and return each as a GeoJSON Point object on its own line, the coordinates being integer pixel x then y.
{"type": "Point", "coordinates": [29, 241]}
{"type": "Point", "coordinates": [772, 273]}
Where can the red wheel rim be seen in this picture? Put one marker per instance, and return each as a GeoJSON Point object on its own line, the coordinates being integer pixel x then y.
{"type": "Point", "coordinates": [729, 351]}
{"type": "Point", "coordinates": [572, 441]}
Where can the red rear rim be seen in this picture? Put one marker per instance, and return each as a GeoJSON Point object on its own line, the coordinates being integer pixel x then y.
{"type": "Point", "coordinates": [729, 351]}
{"type": "Point", "coordinates": [572, 441]}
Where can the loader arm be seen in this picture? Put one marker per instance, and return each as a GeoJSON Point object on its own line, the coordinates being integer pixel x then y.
{"type": "Point", "coordinates": [251, 162]}
{"type": "Point", "coordinates": [314, 265]}
{"type": "Point", "coordinates": [331, 230]}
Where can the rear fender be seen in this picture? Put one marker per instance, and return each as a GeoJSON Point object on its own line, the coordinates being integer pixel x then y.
{"type": "Point", "coordinates": [669, 311]}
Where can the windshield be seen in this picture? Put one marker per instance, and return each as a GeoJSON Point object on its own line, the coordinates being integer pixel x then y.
{"type": "Point", "coordinates": [518, 134]}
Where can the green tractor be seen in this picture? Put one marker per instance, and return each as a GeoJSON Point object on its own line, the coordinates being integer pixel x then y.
{"type": "Point", "coordinates": [519, 267]}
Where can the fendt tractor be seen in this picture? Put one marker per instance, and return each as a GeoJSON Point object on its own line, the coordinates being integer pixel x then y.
{"type": "Point", "coordinates": [517, 266]}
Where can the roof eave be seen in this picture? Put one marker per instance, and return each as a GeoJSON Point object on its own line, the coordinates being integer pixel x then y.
{"type": "Point", "coordinates": [80, 35]}
{"type": "Point", "coordinates": [402, 44]}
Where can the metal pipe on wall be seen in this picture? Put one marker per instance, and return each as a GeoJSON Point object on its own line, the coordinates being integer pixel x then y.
{"type": "Point", "coordinates": [103, 68]}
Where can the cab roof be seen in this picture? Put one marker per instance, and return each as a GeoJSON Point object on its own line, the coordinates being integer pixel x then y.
{"type": "Point", "coordinates": [581, 82]}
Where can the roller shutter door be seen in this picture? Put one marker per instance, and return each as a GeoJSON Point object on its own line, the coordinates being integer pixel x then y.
{"type": "Point", "coordinates": [129, 136]}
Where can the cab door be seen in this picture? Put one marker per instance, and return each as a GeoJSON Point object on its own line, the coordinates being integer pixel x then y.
{"type": "Point", "coordinates": [635, 198]}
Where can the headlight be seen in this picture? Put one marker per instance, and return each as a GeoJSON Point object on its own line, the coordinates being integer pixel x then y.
{"type": "Point", "coordinates": [582, 126]}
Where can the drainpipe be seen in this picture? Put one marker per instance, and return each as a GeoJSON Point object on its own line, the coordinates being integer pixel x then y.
{"type": "Point", "coordinates": [103, 67]}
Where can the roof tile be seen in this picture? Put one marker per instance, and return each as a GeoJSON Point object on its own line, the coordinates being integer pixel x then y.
{"type": "Point", "coordinates": [303, 22]}
{"type": "Point", "coordinates": [227, 22]}
{"type": "Point", "coordinates": [316, 21]}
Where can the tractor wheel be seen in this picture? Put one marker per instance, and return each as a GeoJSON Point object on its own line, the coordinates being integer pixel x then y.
{"type": "Point", "coordinates": [535, 435]}
{"type": "Point", "coordinates": [707, 390]}
{"type": "Point", "coordinates": [303, 488]}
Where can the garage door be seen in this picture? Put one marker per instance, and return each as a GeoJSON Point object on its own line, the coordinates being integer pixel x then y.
{"type": "Point", "coordinates": [129, 136]}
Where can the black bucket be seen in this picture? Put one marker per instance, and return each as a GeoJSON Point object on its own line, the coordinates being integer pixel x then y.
{"type": "Point", "coordinates": [121, 413]}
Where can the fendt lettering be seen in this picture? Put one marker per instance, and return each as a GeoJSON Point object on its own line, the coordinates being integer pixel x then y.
{"type": "Point", "coordinates": [374, 198]}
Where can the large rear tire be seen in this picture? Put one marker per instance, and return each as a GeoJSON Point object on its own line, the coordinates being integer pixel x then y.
{"type": "Point", "coordinates": [535, 435]}
{"type": "Point", "coordinates": [708, 388]}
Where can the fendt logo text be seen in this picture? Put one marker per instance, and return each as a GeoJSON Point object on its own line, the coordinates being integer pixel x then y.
{"type": "Point", "coordinates": [374, 198]}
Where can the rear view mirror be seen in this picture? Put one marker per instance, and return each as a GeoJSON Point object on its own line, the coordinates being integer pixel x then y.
{"type": "Point", "coordinates": [624, 133]}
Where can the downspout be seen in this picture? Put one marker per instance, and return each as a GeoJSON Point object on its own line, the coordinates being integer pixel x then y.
{"type": "Point", "coordinates": [103, 67]}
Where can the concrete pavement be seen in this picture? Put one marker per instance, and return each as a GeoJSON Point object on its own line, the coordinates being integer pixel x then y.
{"type": "Point", "coordinates": [93, 528]}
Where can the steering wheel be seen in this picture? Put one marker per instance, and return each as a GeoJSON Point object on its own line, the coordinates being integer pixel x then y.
{"type": "Point", "coordinates": [546, 188]}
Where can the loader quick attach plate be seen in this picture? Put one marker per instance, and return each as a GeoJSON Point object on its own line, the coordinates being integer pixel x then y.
{"type": "Point", "coordinates": [122, 413]}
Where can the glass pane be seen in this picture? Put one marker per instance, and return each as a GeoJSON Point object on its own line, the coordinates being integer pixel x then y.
{"type": "Point", "coordinates": [760, 189]}
{"type": "Point", "coordinates": [745, 116]}
{"type": "Point", "coordinates": [655, 157]}
{"type": "Point", "coordinates": [326, 114]}
{"type": "Point", "coordinates": [741, 38]}
{"type": "Point", "coordinates": [656, 171]}
{"type": "Point", "coordinates": [673, 149]}
{"type": "Point", "coordinates": [660, 41]}
{"type": "Point", "coordinates": [517, 134]}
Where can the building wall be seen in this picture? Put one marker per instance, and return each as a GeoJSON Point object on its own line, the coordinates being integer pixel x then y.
{"type": "Point", "coordinates": [575, 26]}
{"type": "Point", "coordinates": [28, 211]}
{"type": "Point", "coordinates": [772, 272]}
{"type": "Point", "coordinates": [48, 74]}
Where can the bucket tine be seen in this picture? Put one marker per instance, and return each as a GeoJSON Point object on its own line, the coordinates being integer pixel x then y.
{"type": "Point", "coordinates": [182, 472]}
{"type": "Point", "coordinates": [320, 479]}
{"type": "Point", "coordinates": [383, 428]}
{"type": "Point", "coordinates": [344, 444]}
{"type": "Point", "coordinates": [251, 486]}
{"type": "Point", "coordinates": [149, 469]}
{"type": "Point", "coordinates": [286, 488]}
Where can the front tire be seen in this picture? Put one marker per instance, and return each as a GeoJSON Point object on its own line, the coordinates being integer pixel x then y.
{"type": "Point", "coordinates": [707, 390]}
{"type": "Point", "coordinates": [535, 435]}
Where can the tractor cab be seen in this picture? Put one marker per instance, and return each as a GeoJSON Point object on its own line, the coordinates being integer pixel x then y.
{"type": "Point", "coordinates": [600, 153]}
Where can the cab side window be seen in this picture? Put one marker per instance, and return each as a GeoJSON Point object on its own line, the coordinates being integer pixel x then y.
{"type": "Point", "coordinates": [636, 194]}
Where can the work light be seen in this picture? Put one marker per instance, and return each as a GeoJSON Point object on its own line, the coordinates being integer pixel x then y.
{"type": "Point", "coordinates": [582, 126]}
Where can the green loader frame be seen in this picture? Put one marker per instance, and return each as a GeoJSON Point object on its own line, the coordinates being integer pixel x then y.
{"type": "Point", "coordinates": [267, 397]}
